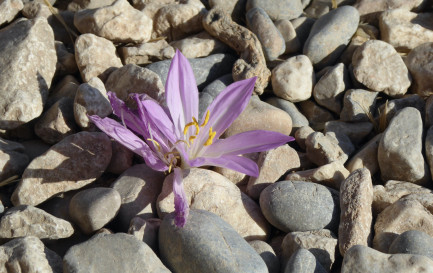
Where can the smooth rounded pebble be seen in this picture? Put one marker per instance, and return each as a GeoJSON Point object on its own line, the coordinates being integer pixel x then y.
{"type": "Point", "coordinates": [303, 261]}
{"type": "Point", "coordinates": [268, 255]}
{"type": "Point", "coordinates": [278, 9]}
{"type": "Point", "coordinates": [413, 242]}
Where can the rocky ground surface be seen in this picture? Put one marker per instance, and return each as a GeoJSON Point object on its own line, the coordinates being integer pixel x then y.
{"type": "Point", "coordinates": [351, 80]}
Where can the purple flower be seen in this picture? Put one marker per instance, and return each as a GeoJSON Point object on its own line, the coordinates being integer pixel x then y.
{"type": "Point", "coordinates": [172, 138]}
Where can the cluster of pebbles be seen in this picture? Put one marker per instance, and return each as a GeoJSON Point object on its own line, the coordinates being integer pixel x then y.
{"type": "Point", "coordinates": [351, 80]}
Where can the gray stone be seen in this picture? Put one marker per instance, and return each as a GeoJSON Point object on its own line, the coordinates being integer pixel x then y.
{"type": "Point", "coordinates": [418, 62]}
{"type": "Point", "coordinates": [400, 149]}
{"type": "Point", "coordinates": [127, 254]}
{"type": "Point", "coordinates": [209, 93]}
{"type": "Point", "coordinates": [366, 157]}
{"type": "Point", "coordinates": [298, 119]}
{"type": "Point", "coordinates": [9, 9]}
{"type": "Point", "coordinates": [205, 70]}
{"type": "Point", "coordinates": [206, 244]}
{"type": "Point", "coordinates": [318, 8]}
{"type": "Point", "coordinates": [55, 171]}
{"type": "Point", "coordinates": [356, 132]}
{"type": "Point", "coordinates": [330, 34]}
{"type": "Point", "coordinates": [302, 27]}
{"type": "Point", "coordinates": [66, 88]}
{"type": "Point", "coordinates": [139, 187]}
{"type": "Point", "coordinates": [146, 53]}
{"type": "Point", "coordinates": [393, 106]}
{"type": "Point", "coordinates": [429, 148]}
{"type": "Point", "coordinates": [316, 115]}
{"type": "Point", "coordinates": [13, 159]}
{"type": "Point", "coordinates": [429, 112]}
{"type": "Point", "coordinates": [145, 230]}
{"type": "Point", "coordinates": [278, 9]}
{"type": "Point", "coordinates": [289, 34]}
{"type": "Point", "coordinates": [93, 208]}
{"type": "Point", "coordinates": [303, 261]}
{"type": "Point", "coordinates": [300, 206]}
{"type": "Point", "coordinates": [235, 8]}
{"type": "Point", "coordinates": [199, 45]}
{"type": "Point", "coordinates": [323, 149]}
{"type": "Point", "coordinates": [301, 136]}
{"type": "Point", "coordinates": [361, 259]}
{"type": "Point", "coordinates": [268, 255]}
{"type": "Point", "coordinates": [270, 38]}
{"type": "Point", "coordinates": [28, 254]}
{"type": "Point", "coordinates": [371, 9]}
{"type": "Point", "coordinates": [358, 105]}
{"type": "Point", "coordinates": [25, 220]}
{"type": "Point", "coordinates": [413, 242]}
{"type": "Point", "coordinates": [28, 62]}
{"type": "Point", "coordinates": [121, 159]}
{"type": "Point", "coordinates": [66, 63]}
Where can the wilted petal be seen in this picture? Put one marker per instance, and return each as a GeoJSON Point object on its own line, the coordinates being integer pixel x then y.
{"type": "Point", "coordinates": [181, 208]}
{"type": "Point", "coordinates": [233, 162]}
{"type": "Point", "coordinates": [228, 105]}
{"type": "Point", "coordinates": [247, 142]}
{"type": "Point", "coordinates": [128, 139]}
{"type": "Point", "coordinates": [181, 92]}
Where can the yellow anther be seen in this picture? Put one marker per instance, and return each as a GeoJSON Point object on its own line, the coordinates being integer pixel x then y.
{"type": "Point", "coordinates": [206, 119]}
{"type": "Point", "coordinates": [155, 143]}
{"type": "Point", "coordinates": [194, 123]}
{"type": "Point", "coordinates": [210, 138]}
{"type": "Point", "coordinates": [191, 139]}
{"type": "Point", "coordinates": [181, 140]}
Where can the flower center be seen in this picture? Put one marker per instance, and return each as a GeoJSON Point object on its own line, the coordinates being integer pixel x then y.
{"type": "Point", "coordinates": [197, 127]}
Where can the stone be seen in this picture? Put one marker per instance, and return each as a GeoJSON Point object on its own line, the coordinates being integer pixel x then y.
{"type": "Point", "coordinates": [363, 34]}
{"type": "Point", "coordinates": [323, 149]}
{"type": "Point", "coordinates": [206, 244]}
{"type": "Point", "coordinates": [429, 148]}
{"type": "Point", "coordinates": [57, 122]}
{"type": "Point", "coordinates": [210, 191]}
{"type": "Point", "coordinates": [329, 36]}
{"type": "Point", "coordinates": [66, 88]}
{"type": "Point", "coordinates": [278, 9]}
{"type": "Point", "coordinates": [35, 148]}
{"type": "Point", "coordinates": [321, 243]}
{"type": "Point", "coordinates": [378, 66]}
{"type": "Point", "coordinates": [317, 116]}
{"type": "Point", "coordinates": [298, 119]}
{"type": "Point", "coordinates": [429, 112]}
{"type": "Point", "coordinates": [139, 187]}
{"type": "Point", "coordinates": [26, 220]}
{"type": "Point", "coordinates": [405, 30]}
{"type": "Point", "coordinates": [272, 165]}
{"type": "Point", "coordinates": [259, 115]}
{"type": "Point", "coordinates": [328, 91]}
{"type": "Point", "coordinates": [356, 132]}
{"type": "Point", "coordinates": [238, 178]}
{"type": "Point", "coordinates": [370, 10]}
{"type": "Point", "coordinates": [318, 8]}
{"type": "Point", "coordinates": [366, 157]}
{"type": "Point", "coordinates": [132, 78]}
{"type": "Point", "coordinates": [234, 8]}
{"type": "Point", "coordinates": [301, 136]}
{"type": "Point", "coordinates": [401, 144]}
{"type": "Point", "coordinates": [205, 69]}
{"type": "Point", "coordinates": [119, 23]}
{"type": "Point", "coordinates": [302, 27]}
{"type": "Point", "coordinates": [300, 206]}
{"type": "Point", "coordinates": [330, 175]}
{"type": "Point", "coordinates": [145, 230]}
{"type": "Point", "coordinates": [9, 9]}
{"type": "Point", "coordinates": [66, 63]}
{"type": "Point", "coordinates": [273, 43]}
{"type": "Point", "coordinates": [177, 21]}
{"type": "Point", "coordinates": [77, 5]}
{"type": "Point", "coordinates": [268, 255]}
{"type": "Point", "coordinates": [95, 56]}
{"type": "Point", "coordinates": [391, 108]}
{"type": "Point", "coordinates": [27, 53]}
{"type": "Point", "coordinates": [358, 105]}
{"type": "Point", "coordinates": [211, 91]}
{"type": "Point", "coordinates": [401, 216]}
{"type": "Point", "coordinates": [132, 256]}
{"type": "Point", "coordinates": [55, 171]}
{"type": "Point", "coordinates": [146, 53]}
{"type": "Point", "coordinates": [121, 159]}
{"type": "Point", "coordinates": [91, 99]}
{"type": "Point", "coordinates": [356, 218]}
{"type": "Point", "coordinates": [303, 261]}
{"type": "Point", "coordinates": [364, 259]}
{"type": "Point", "coordinates": [13, 159]}
{"type": "Point", "coordinates": [417, 62]}
{"type": "Point", "coordinates": [28, 254]}
{"type": "Point", "coordinates": [93, 208]}
{"type": "Point", "coordinates": [285, 27]}
{"type": "Point", "coordinates": [293, 79]}
{"type": "Point", "coordinates": [199, 45]}
{"type": "Point", "coordinates": [413, 242]}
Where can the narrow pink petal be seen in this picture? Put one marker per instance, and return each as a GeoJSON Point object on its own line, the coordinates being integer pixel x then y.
{"type": "Point", "coordinates": [181, 208]}
{"type": "Point", "coordinates": [181, 92]}
{"type": "Point", "coordinates": [247, 142]}
{"type": "Point", "coordinates": [128, 139]}
{"type": "Point", "coordinates": [233, 162]}
{"type": "Point", "coordinates": [228, 105]}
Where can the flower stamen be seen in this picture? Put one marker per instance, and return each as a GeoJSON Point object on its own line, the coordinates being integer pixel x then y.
{"type": "Point", "coordinates": [210, 138]}
{"type": "Point", "coordinates": [206, 119]}
{"type": "Point", "coordinates": [193, 123]}
{"type": "Point", "coordinates": [192, 138]}
{"type": "Point", "coordinates": [155, 143]}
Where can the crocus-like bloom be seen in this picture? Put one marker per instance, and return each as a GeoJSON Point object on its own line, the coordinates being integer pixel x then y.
{"type": "Point", "coordinates": [172, 138]}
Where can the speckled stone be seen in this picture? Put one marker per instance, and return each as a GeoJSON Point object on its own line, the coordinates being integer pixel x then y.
{"type": "Point", "coordinates": [419, 62]}
{"type": "Point", "coordinates": [303, 261]}
{"type": "Point", "coordinates": [278, 9]}
{"type": "Point", "coordinates": [413, 242]}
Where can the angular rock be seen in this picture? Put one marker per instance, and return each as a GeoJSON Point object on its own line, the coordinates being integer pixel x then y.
{"type": "Point", "coordinates": [26, 220]}
{"type": "Point", "coordinates": [76, 5]}
{"type": "Point", "coordinates": [146, 53]}
{"type": "Point", "coordinates": [366, 157]}
{"type": "Point", "coordinates": [413, 242]}
{"type": "Point", "coordinates": [206, 244]}
{"type": "Point", "coordinates": [132, 256]}
{"type": "Point", "coordinates": [9, 9]}
{"type": "Point", "coordinates": [56, 170]}
{"type": "Point", "coordinates": [401, 145]}
{"type": "Point", "coordinates": [300, 206]}
{"type": "Point", "coordinates": [358, 105]}
{"type": "Point", "coordinates": [303, 261]}
{"type": "Point", "coordinates": [278, 9]}
{"type": "Point", "coordinates": [13, 159]}
{"type": "Point", "coordinates": [119, 23]}
{"type": "Point", "coordinates": [199, 45]}
{"type": "Point", "coordinates": [378, 66]}
{"type": "Point", "coordinates": [268, 255]}
{"type": "Point", "coordinates": [355, 131]}
{"type": "Point", "coordinates": [418, 62]}
{"type": "Point", "coordinates": [293, 79]}
{"type": "Point", "coordinates": [28, 62]}
{"type": "Point", "coordinates": [66, 88]}
{"type": "Point", "coordinates": [317, 116]}
{"type": "Point", "coordinates": [234, 8]}
{"type": "Point", "coordinates": [323, 149]}
{"type": "Point", "coordinates": [227, 201]}
{"type": "Point", "coordinates": [66, 63]}
{"type": "Point", "coordinates": [301, 136]}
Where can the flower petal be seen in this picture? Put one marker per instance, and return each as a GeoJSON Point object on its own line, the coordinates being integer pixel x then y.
{"type": "Point", "coordinates": [181, 208]}
{"type": "Point", "coordinates": [233, 162]}
{"type": "Point", "coordinates": [228, 105]}
{"type": "Point", "coordinates": [181, 92]}
{"type": "Point", "coordinates": [128, 139]}
{"type": "Point", "coordinates": [247, 142]}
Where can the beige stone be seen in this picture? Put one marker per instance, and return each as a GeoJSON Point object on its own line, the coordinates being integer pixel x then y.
{"type": "Point", "coordinates": [199, 45]}
{"type": "Point", "coordinates": [13, 159]}
{"type": "Point", "coordinates": [66, 63]}
{"type": "Point", "coordinates": [208, 190]}
{"type": "Point", "coordinates": [323, 149]}
{"type": "Point", "coordinates": [293, 44]}
{"type": "Point", "coordinates": [9, 9]}
{"type": "Point", "coordinates": [147, 53]}
{"type": "Point", "coordinates": [317, 116]}
{"type": "Point", "coordinates": [238, 178]}
{"type": "Point", "coordinates": [268, 255]}
{"type": "Point", "coordinates": [302, 134]}
{"type": "Point", "coordinates": [419, 62]}
{"type": "Point", "coordinates": [356, 219]}
{"type": "Point", "coordinates": [366, 157]}
{"type": "Point", "coordinates": [66, 88]}
{"type": "Point", "coordinates": [77, 5]}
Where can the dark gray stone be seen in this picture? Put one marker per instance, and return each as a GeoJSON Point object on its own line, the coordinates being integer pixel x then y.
{"type": "Point", "coordinates": [302, 27]}
{"type": "Point", "coordinates": [357, 132]}
{"type": "Point", "coordinates": [13, 159]}
{"type": "Point", "coordinates": [112, 253]}
{"type": "Point", "coordinates": [278, 9]}
{"type": "Point", "coordinates": [209, 93]}
{"type": "Point", "coordinates": [413, 242]}
{"type": "Point", "coordinates": [298, 119]}
{"type": "Point", "coordinates": [300, 206]}
{"type": "Point", "coordinates": [330, 35]}
{"type": "Point", "coordinates": [303, 261]}
{"type": "Point", "coordinates": [206, 244]}
{"type": "Point", "coordinates": [205, 69]}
